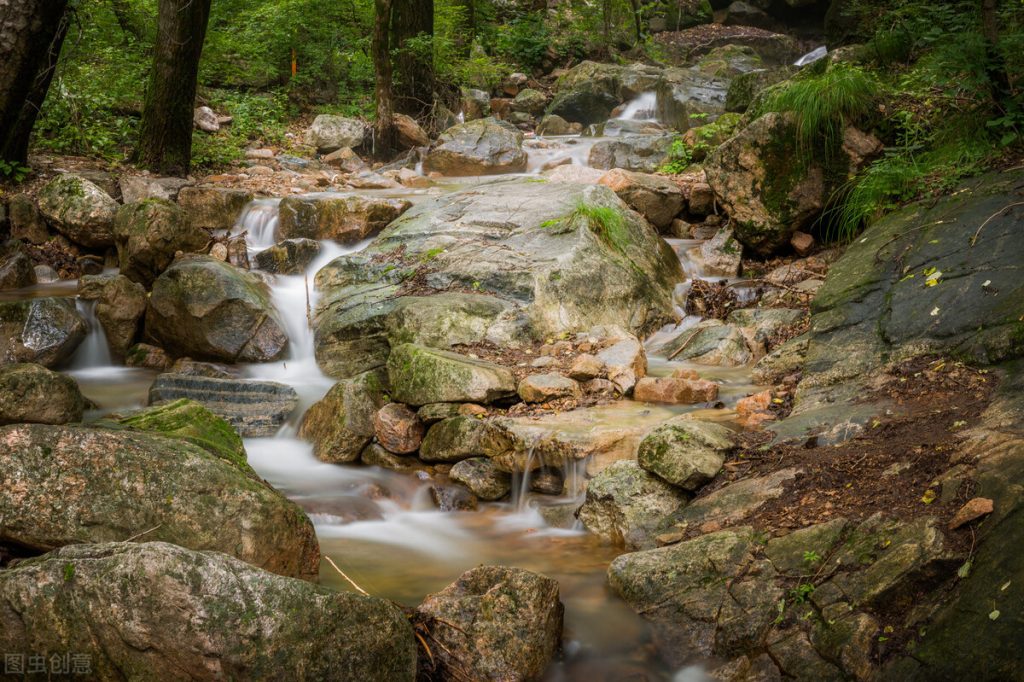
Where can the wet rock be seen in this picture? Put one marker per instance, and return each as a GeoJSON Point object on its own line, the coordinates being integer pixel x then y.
{"type": "Point", "coordinates": [329, 132]}
{"type": "Point", "coordinates": [625, 504]}
{"type": "Point", "coordinates": [744, 88]}
{"type": "Point", "coordinates": [135, 188]}
{"type": "Point", "coordinates": [33, 394]}
{"type": "Point", "coordinates": [482, 147]}
{"type": "Point", "coordinates": [148, 356]}
{"type": "Point", "coordinates": [675, 391]}
{"type": "Point", "coordinates": [16, 267]}
{"type": "Point", "coordinates": [134, 607]}
{"type": "Point", "coordinates": [766, 324]}
{"type": "Point", "coordinates": [376, 456]}
{"type": "Point", "coordinates": [547, 481]}
{"type": "Point", "coordinates": [435, 412]}
{"type": "Point", "coordinates": [686, 453]}
{"type": "Point", "coordinates": [340, 425]}
{"type": "Point", "coordinates": [711, 343]}
{"type": "Point", "coordinates": [255, 408]}
{"type": "Point", "coordinates": [346, 220]}
{"type": "Point", "coordinates": [643, 153]}
{"type": "Point", "coordinates": [482, 477]}
{"type": "Point", "coordinates": [204, 308]}
{"type": "Point", "coordinates": [449, 498]}
{"type": "Point", "coordinates": [553, 124]}
{"type": "Point", "coordinates": [454, 439]}
{"type": "Point", "coordinates": [625, 362]}
{"type": "Point", "coordinates": [148, 234]}
{"type": "Point", "coordinates": [79, 210]}
{"type": "Point", "coordinates": [345, 160]}
{"type": "Point", "coordinates": [27, 223]}
{"type": "Point", "coordinates": [289, 257]}
{"type": "Point", "coordinates": [174, 490]}
{"type": "Point", "coordinates": [582, 175]}
{"type": "Point", "coordinates": [719, 256]}
{"type": "Point", "coordinates": [421, 375]}
{"type": "Point", "coordinates": [120, 305]}
{"type": "Point", "coordinates": [410, 134]}
{"type": "Point", "coordinates": [495, 623]}
{"type": "Point", "coordinates": [40, 330]}
{"type": "Point", "coordinates": [398, 428]}
{"type": "Point", "coordinates": [540, 388]}
{"type": "Point", "coordinates": [656, 198]}
{"type": "Point", "coordinates": [213, 208]}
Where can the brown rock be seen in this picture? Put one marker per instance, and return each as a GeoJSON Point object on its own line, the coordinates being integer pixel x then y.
{"type": "Point", "coordinates": [586, 367]}
{"type": "Point", "coordinates": [675, 390]}
{"type": "Point", "coordinates": [540, 388]}
{"type": "Point", "coordinates": [753, 411]}
{"type": "Point", "coordinates": [683, 373]}
{"type": "Point", "coordinates": [345, 160]}
{"type": "Point", "coordinates": [398, 428]}
{"type": "Point", "coordinates": [802, 243]}
{"type": "Point", "coordinates": [148, 357]}
{"type": "Point", "coordinates": [702, 199]}
{"type": "Point", "coordinates": [410, 134]}
{"type": "Point", "coordinates": [974, 509]}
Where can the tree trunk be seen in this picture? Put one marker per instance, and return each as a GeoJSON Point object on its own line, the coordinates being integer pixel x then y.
{"type": "Point", "coordinates": [637, 21]}
{"type": "Point", "coordinates": [386, 136]}
{"type": "Point", "coordinates": [30, 32]}
{"type": "Point", "coordinates": [996, 64]}
{"type": "Point", "coordinates": [126, 19]}
{"type": "Point", "coordinates": [414, 66]}
{"type": "Point", "coordinates": [165, 137]}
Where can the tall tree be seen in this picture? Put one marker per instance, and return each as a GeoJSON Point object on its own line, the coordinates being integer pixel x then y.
{"type": "Point", "coordinates": [165, 137]}
{"type": "Point", "coordinates": [31, 35]}
{"type": "Point", "coordinates": [412, 28]}
{"type": "Point", "coordinates": [385, 137]}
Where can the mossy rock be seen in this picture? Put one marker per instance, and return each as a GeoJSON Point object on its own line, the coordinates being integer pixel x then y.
{"type": "Point", "coordinates": [686, 453]}
{"type": "Point", "coordinates": [421, 375]}
{"type": "Point", "coordinates": [31, 393]}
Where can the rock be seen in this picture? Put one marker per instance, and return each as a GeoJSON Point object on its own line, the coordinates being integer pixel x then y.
{"type": "Point", "coordinates": [120, 305]}
{"type": "Point", "coordinates": [435, 412]}
{"type": "Point", "coordinates": [652, 196]}
{"type": "Point", "coordinates": [686, 453]}
{"type": "Point", "coordinates": [410, 134]}
{"type": "Point", "coordinates": [329, 132]}
{"type": "Point", "coordinates": [482, 477]}
{"type": "Point", "coordinates": [475, 104]}
{"type": "Point", "coordinates": [553, 124]}
{"type": "Point", "coordinates": [451, 498]}
{"type": "Point", "coordinates": [802, 243]}
{"type": "Point", "coordinates": [626, 504]}
{"type": "Point", "coordinates": [702, 199]}
{"type": "Point", "coordinates": [288, 257]}
{"type": "Point", "coordinates": [675, 391]}
{"type": "Point", "coordinates": [530, 101]}
{"type": "Point", "coordinates": [720, 256]}
{"type": "Point", "coordinates": [147, 356]}
{"type": "Point", "coordinates": [455, 439]}
{"type": "Point", "coordinates": [586, 367]}
{"type": "Point", "coordinates": [711, 343]}
{"type": "Point", "coordinates": [346, 220]}
{"type": "Point", "coordinates": [195, 368]}
{"type": "Point", "coordinates": [27, 223]}
{"type": "Point", "coordinates": [376, 456]}
{"type": "Point", "coordinates": [583, 175]}
{"type": "Point", "coordinates": [149, 234]}
{"type": "Point", "coordinates": [148, 608]}
{"type": "Point", "coordinates": [31, 393]}
{"type": "Point", "coordinates": [540, 388]}
{"type": "Point", "coordinates": [398, 428]}
{"type": "Point", "coordinates": [136, 188]}
{"type": "Point", "coordinates": [781, 362]}
{"type": "Point", "coordinates": [371, 180]}
{"type": "Point", "coordinates": [482, 147]}
{"type": "Point", "coordinates": [213, 208]}
{"type": "Point", "coordinates": [79, 210]}
{"type": "Point", "coordinates": [204, 308]}
{"type": "Point", "coordinates": [205, 119]}
{"type": "Point", "coordinates": [345, 160]}
{"type": "Point", "coordinates": [789, 553]}
{"type": "Point", "coordinates": [732, 503]}
{"type": "Point", "coordinates": [625, 363]}
{"type": "Point", "coordinates": [644, 153]}
{"type": "Point", "coordinates": [494, 623]}
{"type": "Point", "coordinates": [753, 411]}
{"type": "Point", "coordinates": [766, 324]}
{"type": "Point", "coordinates": [744, 88]}
{"type": "Point", "coordinates": [676, 16]}
{"type": "Point", "coordinates": [257, 409]}
{"type": "Point", "coordinates": [174, 490]}
{"type": "Point", "coordinates": [40, 330]}
{"type": "Point", "coordinates": [421, 375]}
{"type": "Point", "coordinates": [341, 424]}
{"type": "Point", "coordinates": [972, 510]}
{"type": "Point", "coordinates": [16, 267]}
{"type": "Point", "coordinates": [744, 14]}
{"type": "Point", "coordinates": [584, 105]}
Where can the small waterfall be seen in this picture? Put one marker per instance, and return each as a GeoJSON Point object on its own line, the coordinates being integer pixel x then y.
{"type": "Point", "coordinates": [641, 108]}
{"type": "Point", "coordinates": [94, 351]}
{"type": "Point", "coordinates": [521, 482]}
{"type": "Point", "coordinates": [259, 221]}
{"type": "Point", "coordinates": [812, 56]}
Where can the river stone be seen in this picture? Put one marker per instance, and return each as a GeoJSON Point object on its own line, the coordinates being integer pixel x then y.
{"type": "Point", "coordinates": [530, 101]}
{"type": "Point", "coordinates": [452, 498]}
{"type": "Point", "coordinates": [32, 393]}
{"type": "Point", "coordinates": [113, 485]}
{"type": "Point", "coordinates": [454, 439]}
{"type": "Point", "coordinates": [765, 323]}
{"type": "Point", "coordinates": [141, 187]}
{"type": "Point", "coordinates": [711, 342]}
{"type": "Point", "coordinates": [625, 504]}
{"type": "Point", "coordinates": [482, 147]}
{"type": "Point", "coordinates": [398, 428]}
{"type": "Point", "coordinates": [79, 210]}
{"type": "Point", "coordinates": [421, 375]}
{"type": "Point", "coordinates": [494, 623]}
{"type": "Point", "coordinates": [654, 197]}
{"type": "Point", "coordinates": [720, 256]}
{"type": "Point", "coordinates": [213, 208]}
{"type": "Point", "coordinates": [329, 132]}
{"type": "Point", "coordinates": [120, 305]}
{"type": "Point", "coordinates": [147, 356]}
{"type": "Point", "coordinates": [256, 409]}
{"type": "Point", "coordinates": [732, 503]}
{"type": "Point", "coordinates": [625, 362]}
{"type": "Point", "coordinates": [788, 553]}
{"type": "Point", "coordinates": [553, 124]}
{"type": "Point", "coordinates": [204, 308]}
{"type": "Point", "coordinates": [643, 153]}
{"type": "Point", "coordinates": [344, 219]}
{"type": "Point", "coordinates": [16, 267]}
{"type": "Point", "coordinates": [27, 223]}
{"type": "Point", "coordinates": [482, 477]}
{"type": "Point", "coordinates": [149, 233]}
{"type": "Point", "coordinates": [585, 105]}
{"type": "Point", "coordinates": [289, 257]}
{"type": "Point", "coordinates": [41, 330]}
{"type": "Point", "coordinates": [686, 453]}
{"type": "Point", "coordinates": [540, 388]}
{"type": "Point", "coordinates": [145, 610]}
{"type": "Point", "coordinates": [374, 455]}
{"type": "Point", "coordinates": [340, 425]}
{"type": "Point", "coordinates": [675, 390]}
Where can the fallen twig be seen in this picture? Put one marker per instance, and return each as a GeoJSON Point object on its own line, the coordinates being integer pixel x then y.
{"type": "Point", "coordinates": [350, 581]}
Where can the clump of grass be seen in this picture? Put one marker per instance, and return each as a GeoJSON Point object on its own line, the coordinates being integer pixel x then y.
{"type": "Point", "coordinates": [604, 221]}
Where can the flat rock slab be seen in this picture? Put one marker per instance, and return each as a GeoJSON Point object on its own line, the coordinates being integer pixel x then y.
{"type": "Point", "coordinates": [257, 409]}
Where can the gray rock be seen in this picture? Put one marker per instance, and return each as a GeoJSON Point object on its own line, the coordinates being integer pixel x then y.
{"type": "Point", "coordinates": [148, 235]}
{"type": "Point", "coordinates": [329, 132]}
{"type": "Point", "coordinates": [686, 453]}
{"type": "Point", "coordinates": [345, 219]}
{"type": "Point", "coordinates": [136, 188]}
{"type": "Point", "coordinates": [41, 330]}
{"type": "Point", "coordinates": [720, 256]}
{"type": "Point", "coordinates": [482, 477]}
{"type": "Point", "coordinates": [625, 362]}
{"type": "Point", "coordinates": [16, 267]}
{"type": "Point", "coordinates": [205, 119]}
{"type": "Point", "coordinates": [419, 375]}
{"type": "Point", "coordinates": [341, 424]}
{"type": "Point", "coordinates": [27, 223]}
{"type": "Point", "coordinates": [213, 208]}
{"type": "Point", "coordinates": [256, 408]}
{"type": "Point", "coordinates": [711, 343]}
{"type": "Point", "coordinates": [120, 305]}
{"type": "Point", "coordinates": [644, 153]}
{"type": "Point", "coordinates": [482, 147]}
{"type": "Point", "coordinates": [33, 394]}
{"type": "Point", "coordinates": [455, 439]}
{"type": "Point", "coordinates": [79, 210]}
{"type": "Point", "coordinates": [289, 257]}
{"type": "Point", "coordinates": [540, 388]}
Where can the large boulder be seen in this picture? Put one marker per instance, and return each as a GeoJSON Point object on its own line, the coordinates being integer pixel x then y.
{"type": "Point", "coordinates": [482, 147]}
{"type": "Point", "coordinates": [654, 197]}
{"type": "Point", "coordinates": [421, 375]}
{"type": "Point", "coordinates": [27, 223]}
{"type": "Point", "coordinates": [33, 394]}
{"type": "Point", "coordinates": [158, 611]}
{"type": "Point", "coordinates": [120, 305]}
{"type": "Point", "coordinates": [485, 265]}
{"type": "Point", "coordinates": [340, 425]}
{"type": "Point", "coordinates": [288, 257]}
{"type": "Point", "coordinates": [329, 133]}
{"type": "Point", "coordinates": [42, 330]}
{"type": "Point", "coordinates": [345, 219]}
{"type": "Point", "coordinates": [686, 453]}
{"type": "Point", "coordinates": [79, 210]}
{"type": "Point", "coordinates": [494, 623]}
{"type": "Point", "coordinates": [115, 484]}
{"type": "Point", "coordinates": [643, 153]}
{"type": "Point", "coordinates": [205, 308]}
{"type": "Point", "coordinates": [213, 208]}
{"type": "Point", "coordinates": [585, 105]}
{"type": "Point", "coordinates": [149, 233]}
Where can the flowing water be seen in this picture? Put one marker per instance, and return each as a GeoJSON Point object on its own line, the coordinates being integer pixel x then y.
{"type": "Point", "coordinates": [379, 526]}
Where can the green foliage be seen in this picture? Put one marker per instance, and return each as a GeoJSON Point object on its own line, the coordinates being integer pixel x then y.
{"type": "Point", "coordinates": [699, 142]}
{"type": "Point", "coordinates": [14, 171]}
{"type": "Point", "coordinates": [811, 557]}
{"type": "Point", "coordinates": [801, 593]}
{"type": "Point", "coordinates": [606, 222]}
